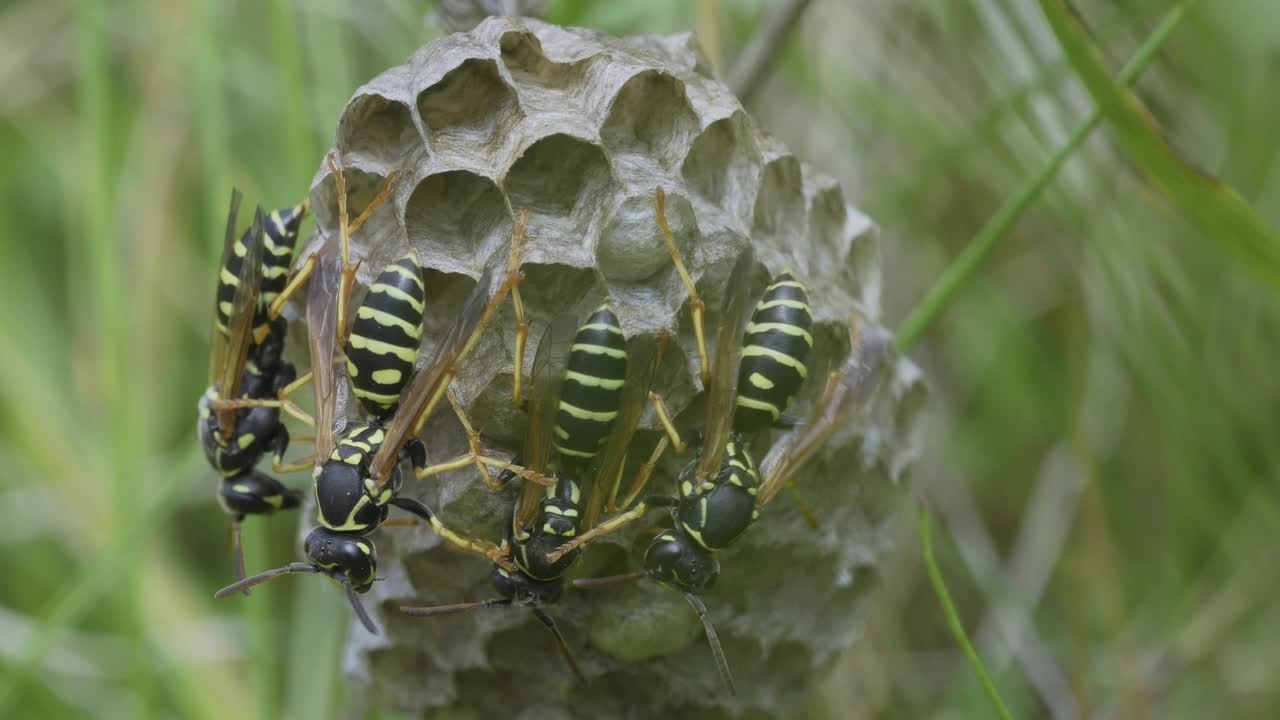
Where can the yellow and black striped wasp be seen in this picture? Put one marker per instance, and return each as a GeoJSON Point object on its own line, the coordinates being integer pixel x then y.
{"type": "Point", "coordinates": [711, 518]}
{"type": "Point", "coordinates": [357, 476]}
{"type": "Point", "coordinates": [247, 362]}
{"type": "Point", "coordinates": [588, 391]}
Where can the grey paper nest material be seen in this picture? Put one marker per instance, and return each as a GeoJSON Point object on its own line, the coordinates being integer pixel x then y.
{"type": "Point", "coordinates": [580, 128]}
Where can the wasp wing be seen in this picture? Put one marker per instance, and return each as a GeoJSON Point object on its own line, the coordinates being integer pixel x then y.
{"type": "Point", "coordinates": [244, 309]}
{"type": "Point", "coordinates": [428, 386]}
{"type": "Point", "coordinates": [547, 377]}
{"type": "Point", "coordinates": [847, 389]}
{"type": "Point", "coordinates": [322, 339]}
{"type": "Point", "coordinates": [724, 365]}
{"type": "Point", "coordinates": [642, 364]}
{"type": "Point", "coordinates": [218, 340]}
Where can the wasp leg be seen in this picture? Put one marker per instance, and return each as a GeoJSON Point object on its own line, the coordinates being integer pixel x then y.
{"type": "Point", "coordinates": [473, 442]}
{"type": "Point", "coordinates": [522, 327]}
{"type": "Point", "coordinates": [806, 510]}
{"type": "Point", "coordinates": [296, 466]}
{"type": "Point", "coordinates": [293, 386]}
{"type": "Point", "coordinates": [296, 283]}
{"type": "Point", "coordinates": [611, 525]}
{"type": "Point", "coordinates": [664, 417]}
{"type": "Point", "coordinates": [285, 405]}
{"type": "Point", "coordinates": [696, 306]}
{"type": "Point", "coordinates": [643, 473]}
{"type": "Point", "coordinates": [458, 540]}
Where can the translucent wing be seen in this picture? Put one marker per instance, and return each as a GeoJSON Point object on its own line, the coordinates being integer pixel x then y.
{"type": "Point", "coordinates": [322, 326]}
{"type": "Point", "coordinates": [218, 341]}
{"type": "Point", "coordinates": [544, 399]}
{"type": "Point", "coordinates": [642, 363]}
{"type": "Point", "coordinates": [724, 364]}
{"type": "Point", "coordinates": [847, 389]}
{"type": "Point", "coordinates": [244, 309]}
{"type": "Point", "coordinates": [426, 389]}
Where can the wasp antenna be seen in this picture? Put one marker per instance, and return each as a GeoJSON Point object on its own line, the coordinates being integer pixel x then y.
{"type": "Point", "coordinates": [722, 664]}
{"type": "Point", "coordinates": [438, 610]}
{"type": "Point", "coordinates": [290, 569]}
{"type": "Point", "coordinates": [547, 620]}
{"type": "Point", "coordinates": [600, 582]}
{"type": "Point", "coordinates": [358, 607]}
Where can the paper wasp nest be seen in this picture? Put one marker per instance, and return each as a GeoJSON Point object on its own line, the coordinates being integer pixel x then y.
{"type": "Point", "coordinates": [580, 128]}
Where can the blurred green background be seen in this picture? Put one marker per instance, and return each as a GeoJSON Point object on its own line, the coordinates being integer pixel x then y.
{"type": "Point", "coordinates": [1103, 443]}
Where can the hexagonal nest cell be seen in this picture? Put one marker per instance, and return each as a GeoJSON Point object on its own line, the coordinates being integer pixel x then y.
{"type": "Point", "coordinates": [580, 129]}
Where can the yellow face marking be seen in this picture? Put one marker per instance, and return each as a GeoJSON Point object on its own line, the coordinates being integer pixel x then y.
{"type": "Point", "coordinates": [593, 381]}
{"type": "Point", "coordinates": [387, 376]}
{"type": "Point", "coordinates": [592, 349]}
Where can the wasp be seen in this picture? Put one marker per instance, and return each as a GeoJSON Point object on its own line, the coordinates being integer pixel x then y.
{"type": "Point", "coordinates": [247, 363]}
{"type": "Point", "coordinates": [589, 389]}
{"type": "Point", "coordinates": [709, 516]}
{"type": "Point", "coordinates": [357, 466]}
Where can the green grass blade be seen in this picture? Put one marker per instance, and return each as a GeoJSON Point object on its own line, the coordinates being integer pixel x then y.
{"type": "Point", "coordinates": [953, 618]}
{"type": "Point", "coordinates": [1208, 203]}
{"type": "Point", "coordinates": [963, 269]}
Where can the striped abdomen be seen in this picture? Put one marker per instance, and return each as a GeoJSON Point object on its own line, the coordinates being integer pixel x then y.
{"type": "Point", "coordinates": [280, 237]}
{"type": "Point", "coordinates": [592, 389]}
{"type": "Point", "coordinates": [228, 281]}
{"type": "Point", "coordinates": [383, 345]}
{"type": "Point", "coordinates": [775, 353]}
{"type": "Point", "coordinates": [277, 250]}
{"type": "Point", "coordinates": [358, 444]}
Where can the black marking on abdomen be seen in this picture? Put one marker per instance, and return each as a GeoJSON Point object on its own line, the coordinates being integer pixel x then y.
{"type": "Point", "coordinates": [383, 345]}
{"type": "Point", "coordinates": [776, 349]}
{"type": "Point", "coordinates": [592, 389]}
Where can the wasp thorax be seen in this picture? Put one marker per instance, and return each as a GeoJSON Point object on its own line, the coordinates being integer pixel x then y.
{"type": "Point", "coordinates": [675, 559]}
{"type": "Point", "coordinates": [347, 499]}
{"type": "Point", "coordinates": [343, 556]}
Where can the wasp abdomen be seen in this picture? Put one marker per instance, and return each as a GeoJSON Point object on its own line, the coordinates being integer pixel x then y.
{"type": "Point", "coordinates": [592, 389]}
{"type": "Point", "coordinates": [384, 337]}
{"type": "Point", "coordinates": [776, 349]}
{"type": "Point", "coordinates": [281, 236]}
